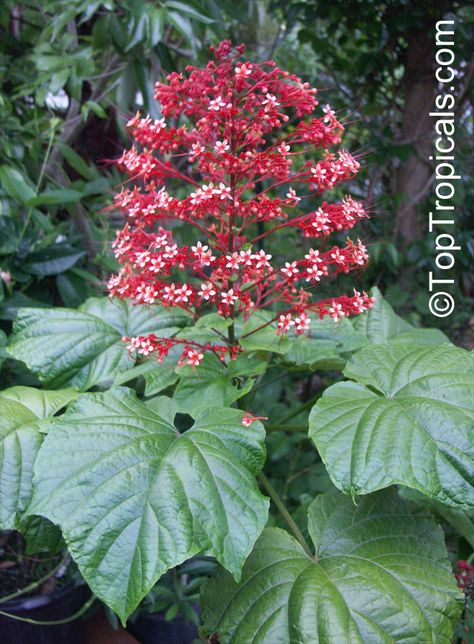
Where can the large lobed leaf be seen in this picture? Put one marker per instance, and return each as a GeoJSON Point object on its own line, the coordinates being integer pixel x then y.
{"type": "Point", "coordinates": [21, 411]}
{"type": "Point", "coordinates": [380, 574]}
{"type": "Point", "coordinates": [133, 497]}
{"type": "Point", "coordinates": [84, 347]}
{"type": "Point", "coordinates": [408, 419]}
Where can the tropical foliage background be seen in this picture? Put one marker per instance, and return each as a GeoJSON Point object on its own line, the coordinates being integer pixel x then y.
{"type": "Point", "coordinates": [71, 74]}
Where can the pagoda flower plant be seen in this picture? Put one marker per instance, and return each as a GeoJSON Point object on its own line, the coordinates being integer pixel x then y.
{"type": "Point", "coordinates": [243, 149]}
{"type": "Point", "coordinates": [228, 252]}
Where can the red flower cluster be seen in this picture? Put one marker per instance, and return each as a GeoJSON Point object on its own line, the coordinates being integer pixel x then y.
{"type": "Point", "coordinates": [226, 134]}
{"type": "Point", "coordinates": [465, 576]}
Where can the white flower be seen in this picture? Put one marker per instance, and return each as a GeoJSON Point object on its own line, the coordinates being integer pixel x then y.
{"type": "Point", "coordinates": [291, 194]}
{"type": "Point", "coordinates": [302, 323]}
{"type": "Point", "coordinates": [290, 270]}
{"type": "Point", "coordinates": [207, 291]}
{"type": "Point", "coordinates": [336, 311]}
{"type": "Point", "coordinates": [221, 146]}
{"type": "Point", "coordinates": [228, 297]}
{"type": "Point", "coordinates": [218, 103]}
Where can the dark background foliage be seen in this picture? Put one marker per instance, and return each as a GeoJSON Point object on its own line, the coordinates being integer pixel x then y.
{"type": "Point", "coordinates": [71, 73]}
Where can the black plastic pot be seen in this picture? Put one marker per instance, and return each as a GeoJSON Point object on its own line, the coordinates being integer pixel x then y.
{"type": "Point", "coordinates": [152, 628]}
{"type": "Point", "coordinates": [59, 604]}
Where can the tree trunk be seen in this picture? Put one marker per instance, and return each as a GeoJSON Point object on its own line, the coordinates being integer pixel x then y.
{"type": "Point", "coordinates": [413, 176]}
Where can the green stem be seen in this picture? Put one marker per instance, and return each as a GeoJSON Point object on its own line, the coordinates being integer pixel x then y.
{"type": "Point", "coordinates": [273, 494]}
{"type": "Point", "coordinates": [55, 622]}
{"type": "Point", "coordinates": [35, 584]}
{"type": "Point", "coordinates": [231, 333]}
{"type": "Point", "coordinates": [40, 178]}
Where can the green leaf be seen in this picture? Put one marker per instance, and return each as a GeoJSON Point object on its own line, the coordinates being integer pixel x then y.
{"type": "Point", "coordinates": [185, 8]}
{"type": "Point", "coordinates": [258, 333]}
{"type": "Point", "coordinates": [138, 30]}
{"type": "Point", "coordinates": [380, 574]}
{"type": "Point", "coordinates": [156, 17]}
{"type": "Point", "coordinates": [326, 346]}
{"type": "Point", "coordinates": [72, 288]}
{"type": "Point", "coordinates": [9, 233]}
{"type": "Point", "coordinates": [15, 184]}
{"type": "Point", "coordinates": [52, 260]}
{"type": "Point", "coordinates": [133, 497]}
{"type": "Point", "coordinates": [163, 375]}
{"type": "Point", "coordinates": [15, 302]}
{"type": "Point", "coordinates": [182, 25]}
{"type": "Point", "coordinates": [96, 108]}
{"type": "Point", "coordinates": [84, 347]}
{"type": "Point", "coordinates": [21, 409]}
{"type": "Point", "coordinates": [139, 370]}
{"type": "Point", "coordinates": [53, 197]}
{"type": "Point", "coordinates": [409, 419]}
{"type": "Point", "coordinates": [41, 536]}
{"type": "Point", "coordinates": [42, 403]}
{"type": "Point", "coordinates": [76, 162]}
{"type": "Point", "coordinates": [213, 321]}
{"type": "Point", "coordinates": [209, 385]}
{"type": "Point", "coordinates": [59, 22]}
{"type": "Point", "coordinates": [460, 520]}
{"type": "Point", "coordinates": [380, 324]}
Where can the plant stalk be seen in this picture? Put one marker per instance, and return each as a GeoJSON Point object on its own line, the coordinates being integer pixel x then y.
{"type": "Point", "coordinates": [54, 622]}
{"type": "Point", "coordinates": [273, 494]}
{"type": "Point", "coordinates": [40, 178]}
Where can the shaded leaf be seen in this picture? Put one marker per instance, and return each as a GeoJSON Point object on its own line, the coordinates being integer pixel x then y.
{"type": "Point", "coordinates": [15, 184]}
{"type": "Point", "coordinates": [206, 386]}
{"type": "Point", "coordinates": [41, 536]}
{"type": "Point", "coordinates": [184, 7]}
{"type": "Point", "coordinates": [162, 375]}
{"type": "Point", "coordinates": [42, 403]}
{"type": "Point", "coordinates": [3, 342]}
{"type": "Point", "coordinates": [258, 333]}
{"type": "Point", "coordinates": [53, 197]}
{"type": "Point", "coordinates": [52, 260]}
{"type": "Point", "coordinates": [76, 162]}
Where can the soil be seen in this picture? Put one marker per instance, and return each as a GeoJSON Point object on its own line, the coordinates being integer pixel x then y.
{"type": "Point", "coordinates": [18, 570]}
